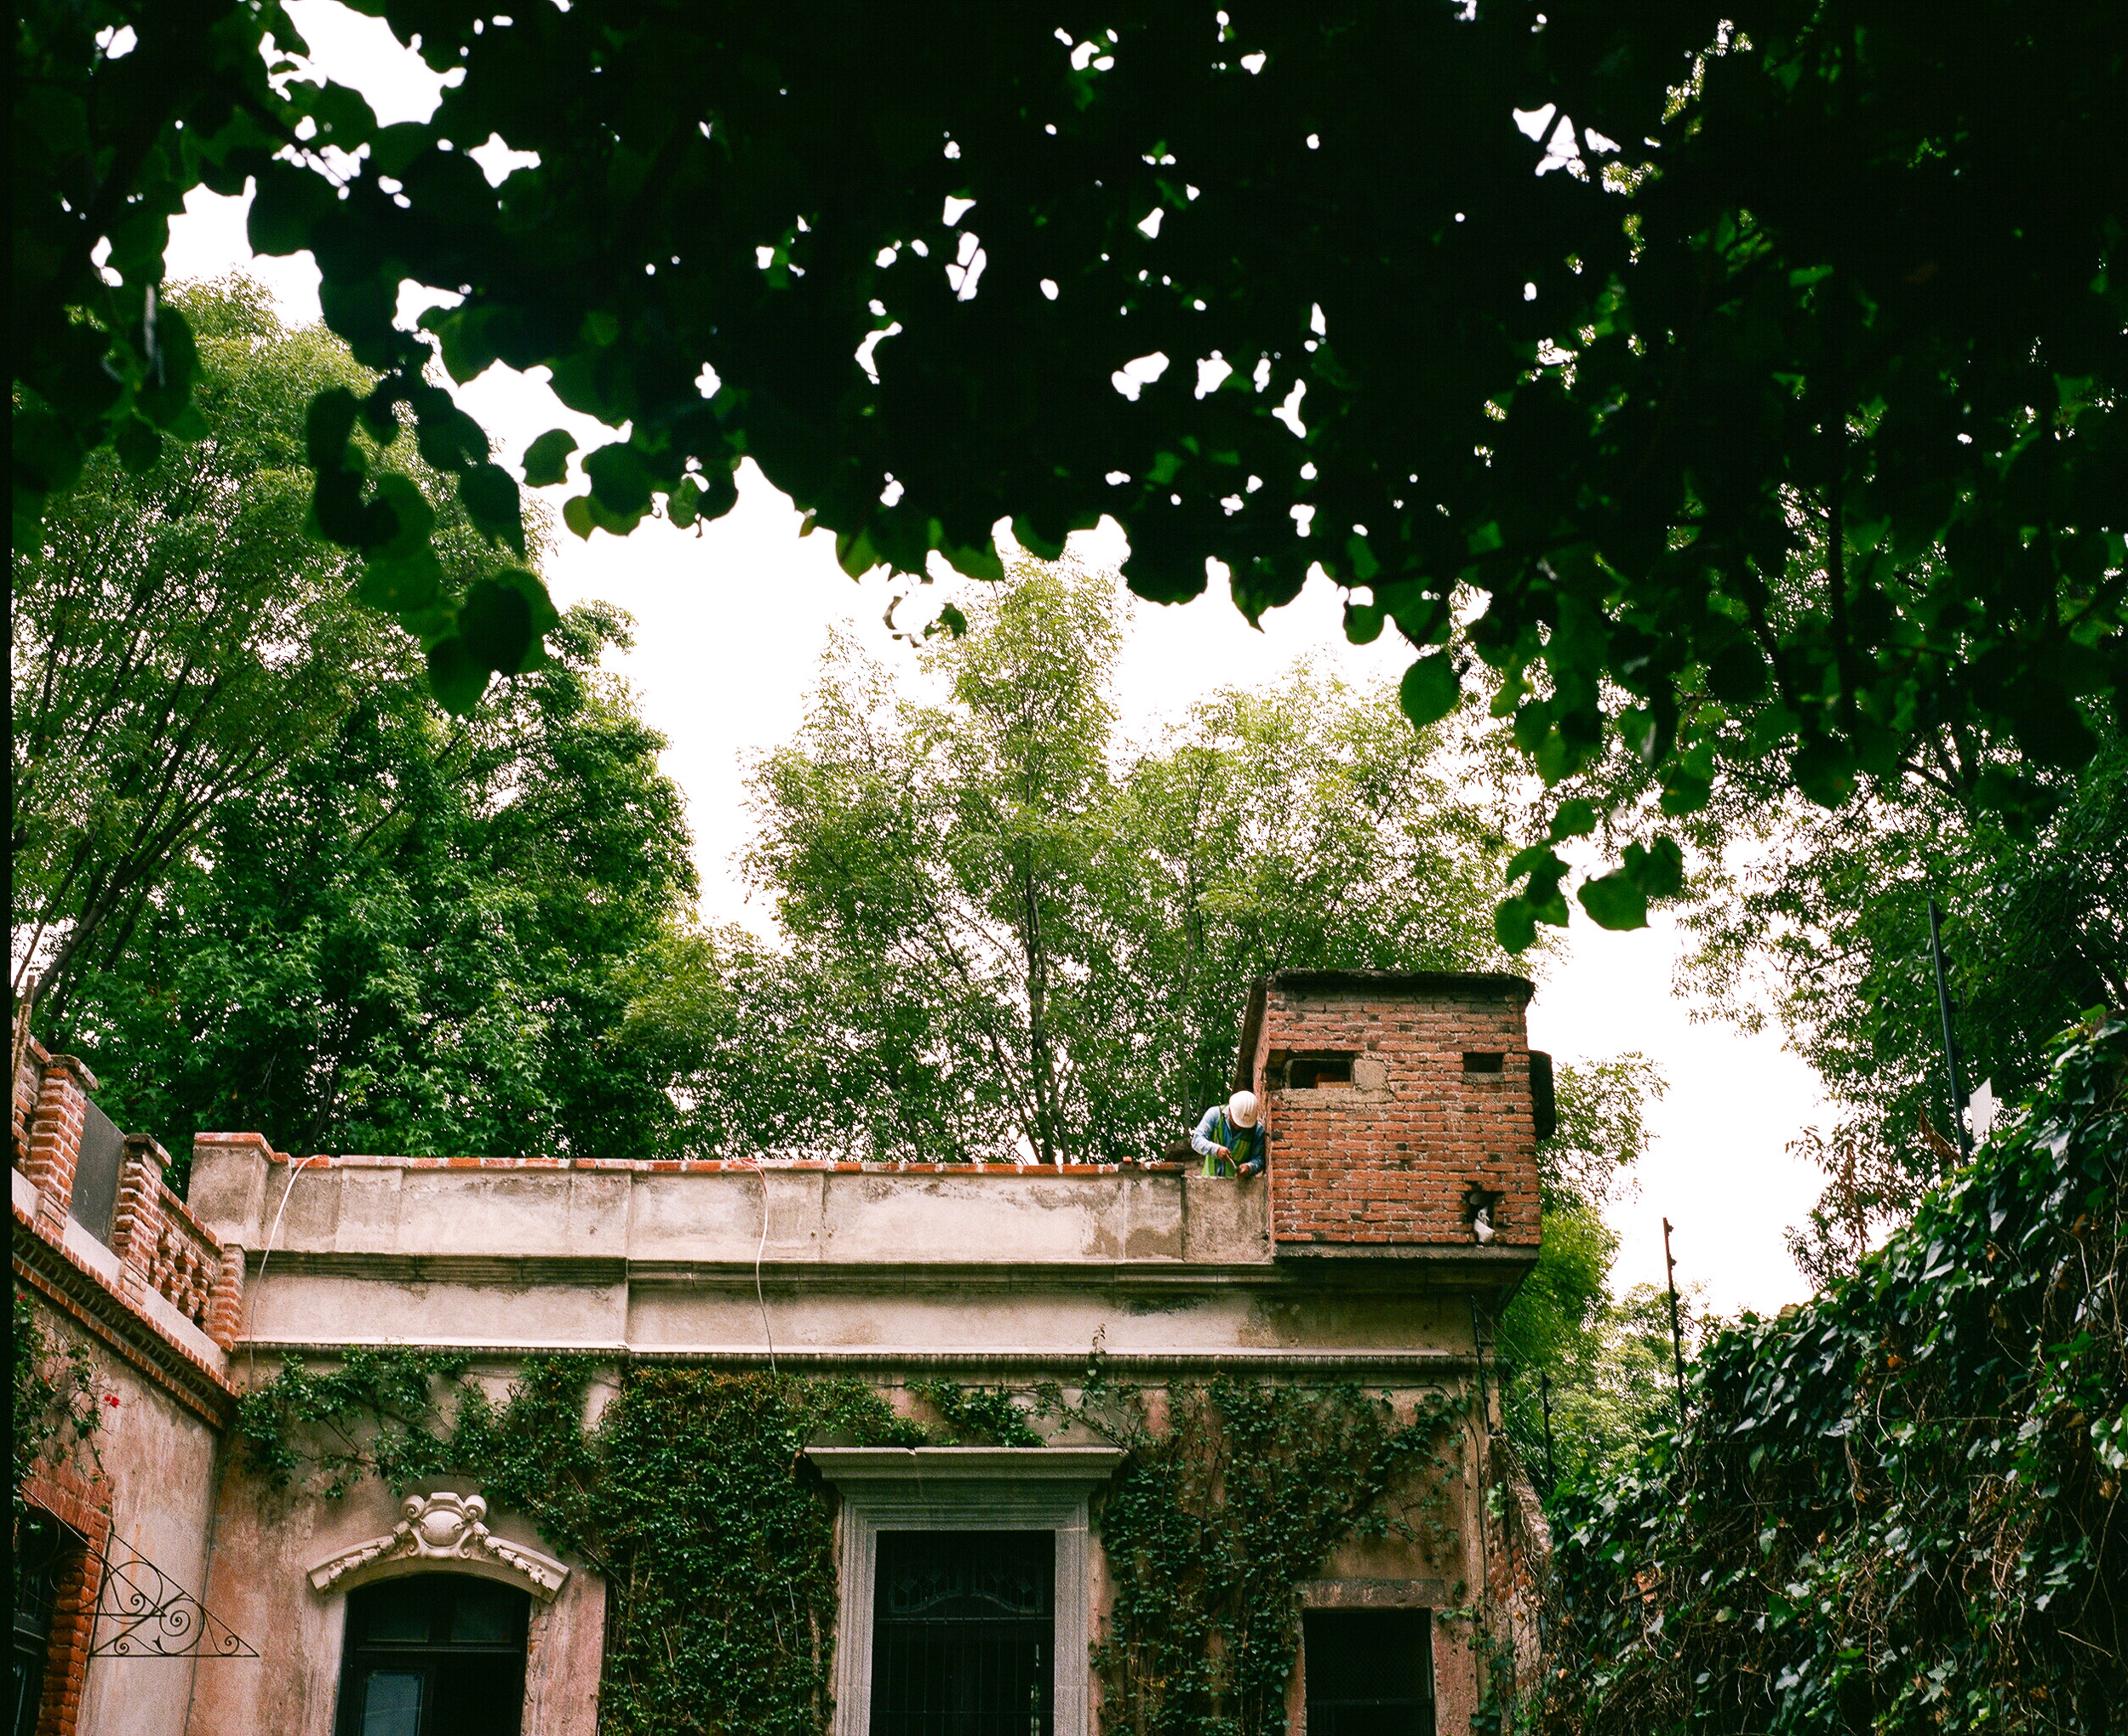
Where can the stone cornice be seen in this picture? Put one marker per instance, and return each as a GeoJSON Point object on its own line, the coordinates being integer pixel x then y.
{"type": "Point", "coordinates": [1414, 1367]}
{"type": "Point", "coordinates": [1453, 1268]}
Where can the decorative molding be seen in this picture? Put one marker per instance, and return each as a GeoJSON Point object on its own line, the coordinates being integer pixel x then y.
{"type": "Point", "coordinates": [963, 1488]}
{"type": "Point", "coordinates": [438, 1528]}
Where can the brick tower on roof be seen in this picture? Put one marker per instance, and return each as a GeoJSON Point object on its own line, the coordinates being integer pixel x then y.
{"type": "Point", "coordinates": [1398, 1105]}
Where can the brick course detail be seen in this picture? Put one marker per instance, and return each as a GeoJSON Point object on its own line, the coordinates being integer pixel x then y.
{"type": "Point", "coordinates": [1390, 1160]}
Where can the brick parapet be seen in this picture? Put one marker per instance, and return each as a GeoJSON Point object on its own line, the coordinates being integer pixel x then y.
{"type": "Point", "coordinates": [56, 1124]}
{"type": "Point", "coordinates": [137, 1218]}
{"type": "Point", "coordinates": [44, 1263]}
{"type": "Point", "coordinates": [164, 1248]}
{"type": "Point", "coordinates": [1392, 1160]}
{"type": "Point", "coordinates": [225, 1307]}
{"type": "Point", "coordinates": [29, 1077]}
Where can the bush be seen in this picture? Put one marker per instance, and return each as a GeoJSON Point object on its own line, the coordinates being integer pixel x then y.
{"type": "Point", "coordinates": [1897, 1508]}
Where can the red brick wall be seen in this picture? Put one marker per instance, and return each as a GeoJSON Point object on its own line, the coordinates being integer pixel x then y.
{"type": "Point", "coordinates": [1390, 1160]}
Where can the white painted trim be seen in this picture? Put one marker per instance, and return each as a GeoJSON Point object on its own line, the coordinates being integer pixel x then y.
{"type": "Point", "coordinates": [963, 1488]}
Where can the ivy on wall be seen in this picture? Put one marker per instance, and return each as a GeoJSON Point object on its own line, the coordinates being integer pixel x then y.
{"type": "Point", "coordinates": [1231, 1494]}
{"type": "Point", "coordinates": [690, 1497]}
{"type": "Point", "coordinates": [1900, 1507]}
{"type": "Point", "coordinates": [57, 1414]}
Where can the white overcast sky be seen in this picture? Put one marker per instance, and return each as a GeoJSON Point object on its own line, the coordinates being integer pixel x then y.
{"type": "Point", "coordinates": [730, 627]}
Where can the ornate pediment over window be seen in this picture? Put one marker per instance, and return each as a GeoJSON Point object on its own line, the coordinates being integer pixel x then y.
{"type": "Point", "coordinates": [442, 1531]}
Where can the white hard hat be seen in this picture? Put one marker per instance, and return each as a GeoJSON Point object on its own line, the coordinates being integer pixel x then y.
{"type": "Point", "coordinates": [1241, 1109]}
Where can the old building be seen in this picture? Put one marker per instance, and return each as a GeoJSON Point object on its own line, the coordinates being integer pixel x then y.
{"type": "Point", "coordinates": [174, 1594]}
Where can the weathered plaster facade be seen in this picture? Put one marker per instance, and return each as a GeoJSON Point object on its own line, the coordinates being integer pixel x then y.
{"type": "Point", "coordinates": [1354, 1258]}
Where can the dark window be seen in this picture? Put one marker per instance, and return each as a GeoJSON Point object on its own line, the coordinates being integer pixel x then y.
{"type": "Point", "coordinates": [1368, 1672]}
{"type": "Point", "coordinates": [43, 1550]}
{"type": "Point", "coordinates": [440, 1654]}
{"type": "Point", "coordinates": [1484, 1061]}
{"type": "Point", "coordinates": [963, 1633]}
{"type": "Point", "coordinates": [1319, 1072]}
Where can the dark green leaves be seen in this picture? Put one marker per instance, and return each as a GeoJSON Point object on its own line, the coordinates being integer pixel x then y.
{"type": "Point", "coordinates": [1863, 1440]}
{"type": "Point", "coordinates": [488, 494]}
{"type": "Point", "coordinates": [497, 629]}
{"type": "Point", "coordinates": [289, 205]}
{"type": "Point", "coordinates": [1614, 439]}
{"type": "Point", "coordinates": [457, 675]}
{"type": "Point", "coordinates": [546, 459]}
{"type": "Point", "coordinates": [1430, 688]}
{"type": "Point", "coordinates": [1619, 900]}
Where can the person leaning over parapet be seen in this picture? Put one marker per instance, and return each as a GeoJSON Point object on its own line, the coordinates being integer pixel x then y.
{"type": "Point", "coordinates": [1230, 1135]}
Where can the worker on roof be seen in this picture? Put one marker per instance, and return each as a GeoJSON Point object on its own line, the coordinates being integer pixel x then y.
{"type": "Point", "coordinates": [1230, 1136]}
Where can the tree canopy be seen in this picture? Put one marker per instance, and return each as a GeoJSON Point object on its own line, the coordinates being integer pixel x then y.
{"type": "Point", "coordinates": [1740, 385]}
{"type": "Point", "coordinates": [268, 882]}
{"type": "Point", "coordinates": [177, 639]}
{"type": "Point", "coordinates": [1008, 932]}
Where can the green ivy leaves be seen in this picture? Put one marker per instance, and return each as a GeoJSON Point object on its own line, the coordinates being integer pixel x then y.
{"type": "Point", "coordinates": [1899, 1506]}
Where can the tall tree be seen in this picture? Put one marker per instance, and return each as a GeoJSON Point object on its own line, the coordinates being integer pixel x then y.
{"type": "Point", "coordinates": [1029, 937]}
{"type": "Point", "coordinates": [178, 637]}
{"type": "Point", "coordinates": [1819, 922]}
{"type": "Point", "coordinates": [267, 882]}
{"type": "Point", "coordinates": [1638, 351]}
{"type": "Point", "coordinates": [419, 936]}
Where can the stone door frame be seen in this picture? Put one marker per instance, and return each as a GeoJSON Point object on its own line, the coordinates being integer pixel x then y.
{"type": "Point", "coordinates": [963, 1488]}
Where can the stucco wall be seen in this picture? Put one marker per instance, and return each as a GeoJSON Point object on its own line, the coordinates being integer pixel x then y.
{"type": "Point", "coordinates": [148, 1476]}
{"type": "Point", "coordinates": [266, 1544]}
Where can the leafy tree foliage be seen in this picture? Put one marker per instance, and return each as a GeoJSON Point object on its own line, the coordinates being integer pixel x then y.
{"type": "Point", "coordinates": [417, 936]}
{"type": "Point", "coordinates": [1820, 921]}
{"type": "Point", "coordinates": [1762, 387]}
{"type": "Point", "coordinates": [174, 639]}
{"type": "Point", "coordinates": [268, 884]}
{"type": "Point", "coordinates": [178, 637]}
{"type": "Point", "coordinates": [1900, 1507]}
{"type": "Point", "coordinates": [1586, 1376]}
{"type": "Point", "coordinates": [1011, 933]}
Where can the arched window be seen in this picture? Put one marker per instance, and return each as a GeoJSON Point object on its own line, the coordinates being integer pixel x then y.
{"type": "Point", "coordinates": [435, 1654]}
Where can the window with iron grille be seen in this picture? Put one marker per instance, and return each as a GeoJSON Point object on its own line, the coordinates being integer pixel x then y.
{"type": "Point", "coordinates": [1368, 1672]}
{"type": "Point", "coordinates": [964, 1633]}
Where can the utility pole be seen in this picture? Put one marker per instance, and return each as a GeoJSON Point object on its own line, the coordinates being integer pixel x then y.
{"type": "Point", "coordinates": [1950, 1041]}
{"type": "Point", "coordinates": [1676, 1336]}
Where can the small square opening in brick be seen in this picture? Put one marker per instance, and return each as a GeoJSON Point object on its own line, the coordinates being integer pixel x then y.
{"type": "Point", "coordinates": [1485, 1061]}
{"type": "Point", "coordinates": [1319, 1073]}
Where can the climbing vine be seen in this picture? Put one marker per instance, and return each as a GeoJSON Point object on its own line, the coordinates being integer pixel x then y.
{"type": "Point", "coordinates": [57, 1409]}
{"type": "Point", "coordinates": [1899, 1508]}
{"type": "Point", "coordinates": [1231, 1494]}
{"type": "Point", "coordinates": [689, 1494]}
